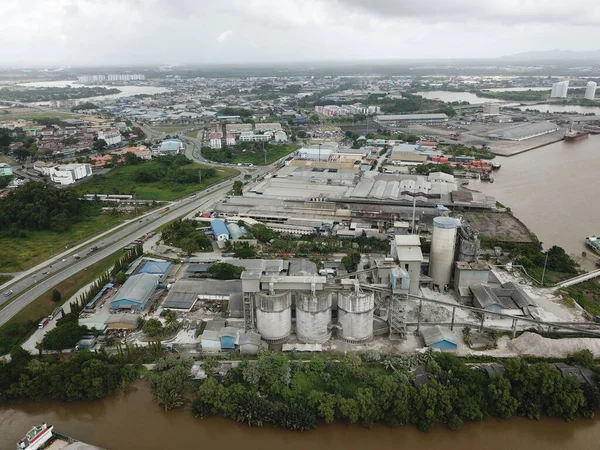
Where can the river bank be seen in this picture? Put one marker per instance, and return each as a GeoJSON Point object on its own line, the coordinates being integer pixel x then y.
{"type": "Point", "coordinates": [551, 190]}
{"type": "Point", "coordinates": [133, 421]}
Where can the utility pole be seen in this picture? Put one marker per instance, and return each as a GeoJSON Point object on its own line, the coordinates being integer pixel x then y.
{"type": "Point", "coordinates": [265, 152]}
{"type": "Point", "coordinates": [320, 152]}
{"type": "Point", "coordinates": [544, 271]}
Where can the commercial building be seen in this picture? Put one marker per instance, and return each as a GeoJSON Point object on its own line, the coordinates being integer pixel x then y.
{"type": "Point", "coordinates": [281, 136]}
{"type": "Point", "coordinates": [237, 128]}
{"type": "Point", "coordinates": [491, 109]}
{"type": "Point", "coordinates": [135, 292]}
{"type": "Point", "coordinates": [262, 127]}
{"type": "Point", "coordinates": [249, 136]}
{"type": "Point", "coordinates": [230, 141]}
{"type": "Point", "coordinates": [44, 167]}
{"type": "Point", "coordinates": [216, 140]}
{"type": "Point", "coordinates": [170, 147]}
{"type": "Point", "coordinates": [590, 91]}
{"type": "Point", "coordinates": [111, 137]}
{"type": "Point", "coordinates": [408, 119]}
{"type": "Point", "coordinates": [219, 229]}
{"type": "Point", "coordinates": [524, 131]}
{"type": "Point", "coordinates": [70, 173]}
{"type": "Point", "coordinates": [5, 170]}
{"type": "Point", "coordinates": [560, 89]}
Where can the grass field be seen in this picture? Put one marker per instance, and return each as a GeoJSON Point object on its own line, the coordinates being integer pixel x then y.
{"type": "Point", "coordinates": [254, 156]}
{"type": "Point", "coordinates": [192, 134]}
{"type": "Point", "coordinates": [37, 115]}
{"type": "Point", "coordinates": [23, 253]}
{"type": "Point", "coordinates": [170, 129]}
{"type": "Point", "coordinates": [20, 327]}
{"type": "Point", "coordinates": [6, 160]}
{"type": "Point", "coordinates": [122, 181]}
{"type": "Point", "coordinates": [5, 278]}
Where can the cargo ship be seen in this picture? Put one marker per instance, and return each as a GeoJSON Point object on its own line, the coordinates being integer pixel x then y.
{"type": "Point", "coordinates": [572, 135]}
{"type": "Point", "coordinates": [593, 242]}
{"type": "Point", "coordinates": [42, 437]}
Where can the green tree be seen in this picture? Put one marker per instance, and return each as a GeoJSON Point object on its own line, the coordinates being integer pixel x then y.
{"type": "Point", "coordinates": [351, 260]}
{"type": "Point", "coordinates": [121, 277]}
{"type": "Point", "coordinates": [225, 271]}
{"type": "Point", "coordinates": [244, 252]}
{"type": "Point", "coordinates": [238, 187]}
{"type": "Point", "coordinates": [66, 334]}
{"type": "Point", "coordinates": [189, 245]}
{"type": "Point", "coordinates": [56, 296]}
{"type": "Point", "coordinates": [502, 404]}
{"type": "Point", "coordinates": [168, 387]}
{"type": "Point", "coordinates": [100, 145]}
{"type": "Point", "coordinates": [153, 328]}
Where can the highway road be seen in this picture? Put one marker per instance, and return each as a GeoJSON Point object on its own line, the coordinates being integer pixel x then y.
{"type": "Point", "coordinates": [29, 285]}
{"type": "Point", "coordinates": [64, 267]}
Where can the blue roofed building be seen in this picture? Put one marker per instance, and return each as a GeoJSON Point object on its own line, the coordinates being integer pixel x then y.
{"type": "Point", "coordinates": [219, 230]}
{"type": "Point", "coordinates": [135, 293]}
{"type": "Point", "coordinates": [440, 338]}
{"type": "Point", "coordinates": [159, 268]}
{"type": "Point", "coordinates": [228, 336]}
{"type": "Point", "coordinates": [169, 147]}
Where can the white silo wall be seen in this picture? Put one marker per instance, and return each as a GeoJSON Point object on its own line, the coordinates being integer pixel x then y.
{"type": "Point", "coordinates": [274, 315]}
{"type": "Point", "coordinates": [313, 317]}
{"type": "Point", "coordinates": [441, 256]}
{"type": "Point", "coordinates": [355, 315]}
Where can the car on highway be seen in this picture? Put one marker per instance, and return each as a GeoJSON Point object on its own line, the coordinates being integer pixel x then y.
{"type": "Point", "coordinates": [8, 293]}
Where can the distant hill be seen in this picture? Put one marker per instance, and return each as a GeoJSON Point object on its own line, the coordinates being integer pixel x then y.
{"type": "Point", "coordinates": [554, 55]}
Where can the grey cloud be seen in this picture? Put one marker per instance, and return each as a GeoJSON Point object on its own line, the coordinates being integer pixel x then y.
{"type": "Point", "coordinates": [507, 12]}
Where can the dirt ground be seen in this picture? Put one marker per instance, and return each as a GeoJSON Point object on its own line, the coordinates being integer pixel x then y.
{"type": "Point", "coordinates": [500, 226]}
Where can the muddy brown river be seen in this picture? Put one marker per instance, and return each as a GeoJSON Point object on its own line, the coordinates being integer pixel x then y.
{"type": "Point", "coordinates": [132, 421]}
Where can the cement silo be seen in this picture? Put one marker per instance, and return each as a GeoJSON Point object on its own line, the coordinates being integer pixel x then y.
{"type": "Point", "coordinates": [313, 317]}
{"type": "Point", "coordinates": [443, 242]}
{"type": "Point", "coordinates": [274, 315]}
{"type": "Point", "coordinates": [355, 315]}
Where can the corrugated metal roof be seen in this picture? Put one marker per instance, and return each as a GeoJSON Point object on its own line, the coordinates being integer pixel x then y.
{"type": "Point", "coordinates": [137, 289]}
{"type": "Point", "coordinates": [435, 334]}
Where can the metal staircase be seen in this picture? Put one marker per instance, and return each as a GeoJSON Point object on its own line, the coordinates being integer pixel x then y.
{"type": "Point", "coordinates": [248, 312]}
{"type": "Point", "coordinates": [397, 315]}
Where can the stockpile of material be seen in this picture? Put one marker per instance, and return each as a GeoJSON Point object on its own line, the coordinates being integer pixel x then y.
{"type": "Point", "coordinates": [536, 345]}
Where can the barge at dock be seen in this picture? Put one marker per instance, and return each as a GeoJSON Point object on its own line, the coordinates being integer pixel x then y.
{"type": "Point", "coordinates": [593, 242]}
{"type": "Point", "coordinates": [42, 437]}
{"type": "Point", "coordinates": [572, 135]}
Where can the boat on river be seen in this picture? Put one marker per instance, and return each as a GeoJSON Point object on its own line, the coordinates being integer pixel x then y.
{"type": "Point", "coordinates": [593, 242]}
{"type": "Point", "coordinates": [42, 437]}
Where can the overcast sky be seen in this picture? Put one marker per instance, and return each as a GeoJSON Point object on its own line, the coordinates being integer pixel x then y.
{"type": "Point", "coordinates": [233, 31]}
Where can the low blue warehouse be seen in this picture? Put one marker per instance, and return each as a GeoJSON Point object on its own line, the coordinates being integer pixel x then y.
{"type": "Point", "coordinates": [439, 338]}
{"type": "Point", "coordinates": [135, 292]}
{"type": "Point", "coordinates": [219, 230]}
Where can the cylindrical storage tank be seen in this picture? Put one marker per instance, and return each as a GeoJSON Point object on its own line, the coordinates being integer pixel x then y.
{"type": "Point", "coordinates": [313, 317]}
{"type": "Point", "coordinates": [274, 316]}
{"type": "Point", "coordinates": [441, 257]}
{"type": "Point", "coordinates": [355, 315]}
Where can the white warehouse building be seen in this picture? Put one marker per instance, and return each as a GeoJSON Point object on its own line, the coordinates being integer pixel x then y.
{"type": "Point", "coordinates": [111, 137]}
{"type": "Point", "coordinates": [70, 173]}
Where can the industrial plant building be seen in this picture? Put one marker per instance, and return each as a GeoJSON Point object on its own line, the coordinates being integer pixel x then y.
{"type": "Point", "coordinates": [524, 131]}
{"type": "Point", "coordinates": [410, 119]}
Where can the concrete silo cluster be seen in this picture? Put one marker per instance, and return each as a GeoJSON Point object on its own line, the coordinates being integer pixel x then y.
{"type": "Point", "coordinates": [273, 302]}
